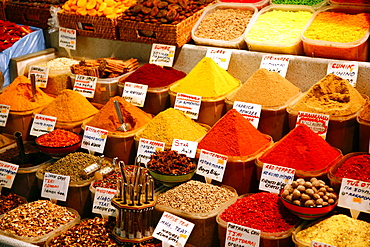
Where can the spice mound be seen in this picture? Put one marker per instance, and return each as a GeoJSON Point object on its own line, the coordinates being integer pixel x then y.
{"type": "Point", "coordinates": [172, 124]}
{"type": "Point", "coordinates": [107, 117]}
{"type": "Point", "coordinates": [234, 135]}
{"type": "Point", "coordinates": [58, 138]}
{"type": "Point", "coordinates": [9, 201]}
{"type": "Point", "coordinates": [265, 88]}
{"type": "Point", "coordinates": [365, 112]}
{"type": "Point", "coordinates": [298, 2]}
{"type": "Point", "coordinates": [301, 149]}
{"type": "Point", "coordinates": [356, 167]}
{"type": "Point", "coordinates": [36, 219]}
{"type": "Point", "coordinates": [18, 95]}
{"type": "Point", "coordinates": [338, 230]}
{"type": "Point", "coordinates": [60, 63]}
{"type": "Point", "coordinates": [109, 181]}
{"type": "Point", "coordinates": [206, 79]}
{"type": "Point", "coordinates": [333, 96]}
{"type": "Point", "coordinates": [170, 162]}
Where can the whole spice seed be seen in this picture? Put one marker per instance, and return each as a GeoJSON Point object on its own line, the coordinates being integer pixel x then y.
{"type": "Point", "coordinates": [109, 182]}
{"type": "Point", "coordinates": [58, 138]}
{"type": "Point", "coordinates": [356, 167]}
{"type": "Point", "coordinates": [9, 201]}
{"type": "Point", "coordinates": [170, 162]}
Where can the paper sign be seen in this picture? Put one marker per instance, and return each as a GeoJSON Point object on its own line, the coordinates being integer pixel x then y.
{"type": "Point", "coordinates": [135, 93]}
{"type": "Point", "coordinates": [354, 194]}
{"type": "Point", "coordinates": [318, 123]}
{"type": "Point", "coordinates": [162, 55]}
{"type": "Point", "coordinates": [318, 244]}
{"type": "Point", "coordinates": [41, 75]}
{"type": "Point", "coordinates": [42, 124]}
{"type": "Point", "coordinates": [7, 174]}
{"type": "Point", "coordinates": [189, 104]}
{"type": "Point", "coordinates": [252, 112]}
{"type": "Point", "coordinates": [276, 63]}
{"type": "Point", "coordinates": [4, 113]}
{"type": "Point", "coordinates": [85, 85]}
{"type": "Point", "coordinates": [346, 70]}
{"type": "Point", "coordinates": [211, 165]}
{"type": "Point", "coordinates": [173, 230]}
{"type": "Point", "coordinates": [188, 148]}
{"type": "Point", "coordinates": [237, 235]}
{"type": "Point", "coordinates": [102, 202]}
{"type": "Point", "coordinates": [67, 38]}
{"type": "Point", "coordinates": [147, 148]}
{"type": "Point", "coordinates": [274, 178]}
{"type": "Point", "coordinates": [220, 56]}
{"type": "Point", "coordinates": [94, 139]}
{"type": "Point", "coordinates": [55, 186]}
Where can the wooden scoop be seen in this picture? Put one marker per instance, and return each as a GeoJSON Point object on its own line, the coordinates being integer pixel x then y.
{"type": "Point", "coordinates": [33, 86]}
{"type": "Point", "coordinates": [124, 126]}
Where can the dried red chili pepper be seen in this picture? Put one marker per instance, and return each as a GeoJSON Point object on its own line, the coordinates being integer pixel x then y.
{"type": "Point", "coordinates": [11, 33]}
{"type": "Point", "coordinates": [58, 138]}
{"type": "Point", "coordinates": [357, 167]}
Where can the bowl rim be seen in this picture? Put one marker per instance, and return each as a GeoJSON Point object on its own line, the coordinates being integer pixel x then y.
{"type": "Point", "coordinates": [302, 206]}
{"type": "Point", "coordinates": [79, 142]}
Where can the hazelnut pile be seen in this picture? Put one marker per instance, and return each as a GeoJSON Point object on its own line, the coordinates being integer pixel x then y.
{"type": "Point", "coordinates": [312, 193]}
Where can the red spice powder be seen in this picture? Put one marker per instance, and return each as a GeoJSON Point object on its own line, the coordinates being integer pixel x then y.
{"type": "Point", "coordinates": [233, 135]}
{"type": "Point", "coordinates": [301, 149]}
{"type": "Point", "coordinates": [357, 167]}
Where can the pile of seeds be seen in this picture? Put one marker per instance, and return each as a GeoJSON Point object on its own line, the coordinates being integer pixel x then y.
{"type": "Point", "coordinates": [9, 201]}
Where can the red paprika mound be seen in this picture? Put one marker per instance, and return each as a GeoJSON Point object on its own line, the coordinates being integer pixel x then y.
{"type": "Point", "coordinates": [58, 138]}
{"type": "Point", "coordinates": [301, 149]}
{"type": "Point", "coordinates": [233, 135]}
{"type": "Point", "coordinates": [357, 167]}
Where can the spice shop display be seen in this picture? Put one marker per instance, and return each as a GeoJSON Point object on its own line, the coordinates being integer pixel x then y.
{"type": "Point", "coordinates": [273, 92]}
{"type": "Point", "coordinates": [9, 201]}
{"type": "Point", "coordinates": [348, 36]}
{"type": "Point", "coordinates": [236, 137]}
{"type": "Point", "coordinates": [262, 211]}
{"type": "Point", "coordinates": [208, 80]}
{"type": "Point", "coordinates": [278, 29]}
{"type": "Point", "coordinates": [198, 203]}
{"type": "Point", "coordinates": [224, 25]}
{"type": "Point", "coordinates": [336, 97]}
{"type": "Point", "coordinates": [363, 120]}
{"type": "Point", "coordinates": [11, 33]}
{"type": "Point", "coordinates": [316, 4]}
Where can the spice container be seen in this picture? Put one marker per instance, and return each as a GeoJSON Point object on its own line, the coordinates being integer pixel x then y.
{"type": "Point", "coordinates": [363, 120]}
{"type": "Point", "coordinates": [316, 4]}
{"type": "Point", "coordinates": [259, 4]}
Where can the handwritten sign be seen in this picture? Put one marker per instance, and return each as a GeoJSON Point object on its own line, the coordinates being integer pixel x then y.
{"type": "Point", "coordinates": [346, 70]}
{"type": "Point", "coordinates": [41, 75]}
{"type": "Point", "coordinates": [318, 123]}
{"type": "Point", "coordinates": [211, 165]}
{"type": "Point", "coordinates": [241, 236]}
{"type": "Point", "coordinates": [276, 63]}
{"type": "Point", "coordinates": [274, 178]}
{"type": "Point", "coordinates": [94, 139]}
{"type": "Point", "coordinates": [189, 104]}
{"type": "Point", "coordinates": [67, 38]}
{"type": "Point", "coordinates": [354, 194]}
{"type": "Point", "coordinates": [188, 148]}
{"type": "Point", "coordinates": [42, 124]}
{"type": "Point", "coordinates": [252, 112]}
{"type": "Point", "coordinates": [135, 93]}
{"type": "Point", "coordinates": [147, 148]}
{"type": "Point", "coordinates": [8, 172]}
{"type": "Point", "coordinates": [220, 56]}
{"type": "Point", "coordinates": [102, 202]}
{"type": "Point", "coordinates": [4, 113]}
{"type": "Point", "coordinates": [85, 85]}
{"type": "Point", "coordinates": [318, 244]}
{"type": "Point", "coordinates": [162, 55]}
{"type": "Point", "coordinates": [55, 186]}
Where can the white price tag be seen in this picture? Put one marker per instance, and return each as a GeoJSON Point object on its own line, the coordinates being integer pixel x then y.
{"type": "Point", "coordinates": [211, 165]}
{"type": "Point", "coordinates": [220, 56]}
{"type": "Point", "coordinates": [85, 85]}
{"type": "Point", "coordinates": [189, 104]}
{"type": "Point", "coordinates": [354, 194]}
{"type": "Point", "coordinates": [188, 148]}
{"type": "Point", "coordinates": [94, 139]}
{"type": "Point", "coordinates": [252, 112]}
{"type": "Point", "coordinates": [135, 93]}
{"type": "Point", "coordinates": [237, 235]}
{"type": "Point", "coordinates": [162, 55]}
{"type": "Point", "coordinates": [276, 63]}
{"type": "Point", "coordinates": [4, 113]}
{"type": "Point", "coordinates": [318, 123]}
{"type": "Point", "coordinates": [102, 202]}
{"type": "Point", "coordinates": [8, 172]}
{"type": "Point", "coordinates": [55, 186]}
{"type": "Point", "coordinates": [319, 244]}
{"type": "Point", "coordinates": [147, 148]}
{"type": "Point", "coordinates": [346, 70]}
{"type": "Point", "coordinates": [41, 75]}
{"type": "Point", "coordinates": [67, 38]}
{"type": "Point", "coordinates": [274, 178]}
{"type": "Point", "coordinates": [42, 124]}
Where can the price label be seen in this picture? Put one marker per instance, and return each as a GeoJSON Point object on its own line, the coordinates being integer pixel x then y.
{"type": "Point", "coordinates": [318, 123]}
{"type": "Point", "coordinates": [252, 112]}
{"type": "Point", "coordinates": [237, 235]}
{"type": "Point", "coordinates": [55, 186]}
{"type": "Point", "coordinates": [85, 85]}
{"type": "Point", "coordinates": [42, 124]}
{"type": "Point", "coordinates": [346, 70]}
{"type": "Point", "coordinates": [7, 174]}
{"type": "Point", "coordinates": [188, 148]}
{"type": "Point", "coordinates": [211, 165]}
{"type": "Point", "coordinates": [220, 56]}
{"type": "Point", "coordinates": [4, 114]}
{"type": "Point", "coordinates": [274, 178]}
{"type": "Point", "coordinates": [276, 63]}
{"type": "Point", "coordinates": [354, 194]}
{"type": "Point", "coordinates": [135, 93]}
{"type": "Point", "coordinates": [318, 244]}
{"type": "Point", "coordinates": [162, 55]}
{"type": "Point", "coordinates": [189, 104]}
{"type": "Point", "coordinates": [67, 38]}
{"type": "Point", "coordinates": [147, 148]}
{"type": "Point", "coordinates": [94, 139]}
{"type": "Point", "coordinates": [41, 75]}
{"type": "Point", "coordinates": [102, 202]}
{"type": "Point", "coordinates": [173, 230]}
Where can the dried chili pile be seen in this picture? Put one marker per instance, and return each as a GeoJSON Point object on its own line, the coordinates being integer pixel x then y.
{"type": "Point", "coordinates": [170, 162]}
{"type": "Point", "coordinates": [357, 167]}
{"type": "Point", "coordinates": [58, 138]}
{"type": "Point", "coordinates": [262, 211]}
{"type": "Point", "coordinates": [10, 33]}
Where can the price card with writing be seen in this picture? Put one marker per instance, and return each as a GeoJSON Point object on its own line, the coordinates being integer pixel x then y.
{"type": "Point", "coordinates": [102, 202]}
{"type": "Point", "coordinates": [188, 148]}
{"type": "Point", "coordinates": [7, 174]}
{"type": "Point", "coordinates": [354, 194]}
{"type": "Point", "coordinates": [147, 147]}
{"type": "Point", "coordinates": [162, 55]}
{"type": "Point", "coordinates": [276, 63]}
{"type": "Point", "coordinates": [211, 165]}
{"type": "Point", "coordinates": [94, 139]}
{"type": "Point", "coordinates": [220, 56]}
{"type": "Point", "coordinates": [67, 38]}
{"type": "Point", "coordinates": [173, 230]}
{"type": "Point", "coordinates": [189, 104]}
{"type": "Point", "coordinates": [135, 93]}
{"type": "Point", "coordinates": [41, 75]}
{"type": "Point", "coordinates": [252, 112]}
{"type": "Point", "coordinates": [42, 124]}
{"type": "Point", "coordinates": [85, 85]}
{"type": "Point", "coordinates": [274, 178]}
{"type": "Point", "coordinates": [237, 235]}
{"type": "Point", "coordinates": [318, 244]}
{"type": "Point", "coordinates": [318, 123]}
{"type": "Point", "coordinates": [4, 113]}
{"type": "Point", "coordinates": [346, 70]}
{"type": "Point", "coordinates": [55, 186]}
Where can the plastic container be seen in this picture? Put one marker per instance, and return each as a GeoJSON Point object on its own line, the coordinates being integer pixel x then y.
{"type": "Point", "coordinates": [355, 51]}
{"type": "Point", "coordinates": [239, 42]}
{"type": "Point", "coordinates": [258, 4]}
{"type": "Point", "coordinates": [363, 135]}
{"type": "Point", "coordinates": [295, 48]}
{"type": "Point", "coordinates": [19, 121]}
{"type": "Point", "coordinates": [316, 6]}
